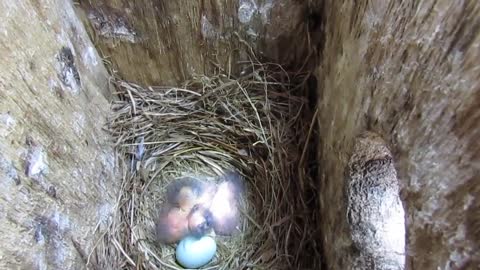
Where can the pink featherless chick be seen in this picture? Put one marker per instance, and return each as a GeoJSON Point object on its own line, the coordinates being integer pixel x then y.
{"type": "Point", "coordinates": [224, 210]}
{"type": "Point", "coordinates": [183, 213]}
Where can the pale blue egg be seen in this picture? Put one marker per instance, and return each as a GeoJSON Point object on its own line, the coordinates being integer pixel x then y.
{"type": "Point", "coordinates": [195, 252]}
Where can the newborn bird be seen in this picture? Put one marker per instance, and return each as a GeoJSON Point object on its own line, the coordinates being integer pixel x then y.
{"type": "Point", "coordinates": [224, 206]}
{"type": "Point", "coordinates": [194, 207]}
{"type": "Point", "coordinates": [172, 224]}
{"type": "Point", "coordinates": [200, 220]}
{"type": "Point", "coordinates": [184, 193]}
{"type": "Point", "coordinates": [184, 213]}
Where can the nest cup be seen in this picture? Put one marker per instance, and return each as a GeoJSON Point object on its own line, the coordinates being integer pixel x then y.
{"type": "Point", "coordinates": [258, 124]}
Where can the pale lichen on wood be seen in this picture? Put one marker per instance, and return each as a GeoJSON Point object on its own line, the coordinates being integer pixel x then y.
{"type": "Point", "coordinates": [375, 213]}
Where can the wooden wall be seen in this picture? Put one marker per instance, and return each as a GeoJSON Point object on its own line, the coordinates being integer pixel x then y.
{"type": "Point", "coordinates": [56, 164]}
{"type": "Point", "coordinates": [408, 71]}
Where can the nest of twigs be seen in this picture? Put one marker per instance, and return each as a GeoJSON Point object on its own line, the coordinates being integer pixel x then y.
{"type": "Point", "coordinates": [258, 124]}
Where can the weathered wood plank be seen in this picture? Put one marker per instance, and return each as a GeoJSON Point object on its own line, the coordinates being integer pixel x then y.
{"type": "Point", "coordinates": [165, 42]}
{"type": "Point", "coordinates": [409, 72]}
{"type": "Point", "coordinates": [56, 167]}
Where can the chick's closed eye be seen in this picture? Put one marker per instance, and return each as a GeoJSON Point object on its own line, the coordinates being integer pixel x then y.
{"type": "Point", "coordinates": [200, 221]}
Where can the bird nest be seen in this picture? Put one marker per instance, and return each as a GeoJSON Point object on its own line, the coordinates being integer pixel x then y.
{"type": "Point", "coordinates": [258, 124]}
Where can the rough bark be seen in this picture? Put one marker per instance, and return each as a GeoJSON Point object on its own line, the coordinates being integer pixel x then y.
{"type": "Point", "coordinates": [55, 163]}
{"type": "Point", "coordinates": [407, 71]}
{"type": "Point", "coordinates": [165, 42]}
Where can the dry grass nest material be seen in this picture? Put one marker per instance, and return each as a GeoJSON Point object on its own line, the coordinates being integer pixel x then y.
{"type": "Point", "coordinates": [258, 124]}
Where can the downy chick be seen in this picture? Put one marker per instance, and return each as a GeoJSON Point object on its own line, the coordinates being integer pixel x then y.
{"type": "Point", "coordinates": [172, 224]}
{"type": "Point", "coordinates": [184, 193]}
{"type": "Point", "coordinates": [185, 212]}
{"type": "Point", "coordinates": [224, 207]}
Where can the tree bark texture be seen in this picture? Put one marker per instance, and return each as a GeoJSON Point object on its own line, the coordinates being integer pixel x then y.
{"type": "Point", "coordinates": [405, 71]}
{"type": "Point", "coordinates": [409, 72]}
{"type": "Point", "coordinates": [165, 42]}
{"type": "Point", "coordinates": [56, 166]}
